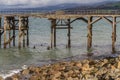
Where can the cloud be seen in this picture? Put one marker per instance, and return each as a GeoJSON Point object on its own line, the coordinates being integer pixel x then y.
{"type": "Point", "coordinates": [44, 2]}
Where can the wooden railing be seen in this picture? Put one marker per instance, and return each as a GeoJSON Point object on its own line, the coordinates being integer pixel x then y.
{"type": "Point", "coordinates": [79, 12]}
{"type": "Point", "coordinates": [94, 12]}
{"type": "Point", "coordinates": [89, 12]}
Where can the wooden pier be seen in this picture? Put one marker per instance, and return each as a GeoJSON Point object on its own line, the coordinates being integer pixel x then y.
{"type": "Point", "coordinates": [59, 20]}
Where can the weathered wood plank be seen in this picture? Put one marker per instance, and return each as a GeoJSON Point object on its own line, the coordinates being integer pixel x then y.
{"type": "Point", "coordinates": [5, 25]}
{"type": "Point", "coordinates": [113, 34]}
{"type": "Point", "coordinates": [89, 41]}
{"type": "Point", "coordinates": [13, 21]}
{"type": "Point", "coordinates": [69, 34]}
{"type": "Point", "coordinates": [54, 26]}
{"type": "Point", "coordinates": [20, 32]}
{"type": "Point", "coordinates": [27, 31]}
{"type": "Point", "coordinates": [53, 33]}
{"type": "Point", "coordinates": [99, 18]}
{"type": "Point", "coordinates": [0, 33]}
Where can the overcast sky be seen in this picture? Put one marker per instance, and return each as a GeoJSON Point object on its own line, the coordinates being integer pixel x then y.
{"type": "Point", "coordinates": [45, 2]}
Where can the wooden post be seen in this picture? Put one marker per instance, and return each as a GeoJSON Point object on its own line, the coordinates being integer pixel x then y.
{"type": "Point", "coordinates": [19, 37]}
{"type": "Point", "coordinates": [89, 41]}
{"type": "Point", "coordinates": [54, 26]}
{"type": "Point", "coordinates": [13, 21]}
{"type": "Point", "coordinates": [5, 25]}
{"type": "Point", "coordinates": [53, 32]}
{"type": "Point", "coordinates": [23, 38]}
{"type": "Point", "coordinates": [0, 33]}
{"type": "Point", "coordinates": [27, 31]}
{"type": "Point", "coordinates": [9, 38]}
{"type": "Point", "coordinates": [113, 34]}
{"type": "Point", "coordinates": [69, 34]}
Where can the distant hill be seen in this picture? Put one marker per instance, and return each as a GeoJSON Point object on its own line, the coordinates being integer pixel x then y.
{"type": "Point", "coordinates": [41, 9]}
{"type": "Point", "coordinates": [101, 5]}
{"type": "Point", "coordinates": [65, 6]}
{"type": "Point", "coordinates": [111, 5]}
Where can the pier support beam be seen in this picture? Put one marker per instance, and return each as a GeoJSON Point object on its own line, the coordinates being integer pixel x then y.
{"type": "Point", "coordinates": [69, 34]}
{"type": "Point", "coordinates": [113, 34]}
{"type": "Point", "coordinates": [8, 27]}
{"type": "Point", "coordinates": [5, 30]}
{"type": "Point", "coordinates": [27, 25]}
{"type": "Point", "coordinates": [9, 32]}
{"type": "Point", "coordinates": [89, 41]}
{"type": "Point", "coordinates": [53, 33]}
{"type": "Point", "coordinates": [23, 31]}
{"type": "Point", "coordinates": [13, 21]}
{"type": "Point", "coordinates": [0, 32]}
{"type": "Point", "coordinates": [19, 37]}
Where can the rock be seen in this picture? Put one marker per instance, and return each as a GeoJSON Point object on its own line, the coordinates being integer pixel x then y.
{"type": "Point", "coordinates": [35, 77]}
{"type": "Point", "coordinates": [9, 78]}
{"type": "Point", "coordinates": [25, 72]}
{"type": "Point", "coordinates": [34, 47]}
{"type": "Point", "coordinates": [48, 48]}
{"type": "Point", "coordinates": [118, 65]}
{"type": "Point", "coordinates": [15, 77]}
{"type": "Point", "coordinates": [57, 74]}
{"type": "Point", "coordinates": [70, 72]}
{"type": "Point", "coordinates": [67, 68]}
{"type": "Point", "coordinates": [1, 78]}
{"type": "Point", "coordinates": [85, 61]}
{"type": "Point", "coordinates": [113, 67]}
{"type": "Point", "coordinates": [78, 65]}
{"type": "Point", "coordinates": [85, 67]}
{"type": "Point", "coordinates": [70, 78]}
{"type": "Point", "coordinates": [105, 61]}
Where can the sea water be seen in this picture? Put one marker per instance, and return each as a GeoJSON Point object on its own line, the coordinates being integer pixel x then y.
{"type": "Point", "coordinates": [13, 59]}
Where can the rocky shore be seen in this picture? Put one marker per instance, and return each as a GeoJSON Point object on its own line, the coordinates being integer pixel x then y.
{"type": "Point", "coordinates": [104, 69]}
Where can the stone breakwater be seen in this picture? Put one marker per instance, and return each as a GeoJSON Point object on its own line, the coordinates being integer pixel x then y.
{"type": "Point", "coordinates": [104, 69]}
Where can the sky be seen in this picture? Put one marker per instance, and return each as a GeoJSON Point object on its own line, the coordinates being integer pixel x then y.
{"type": "Point", "coordinates": [34, 3]}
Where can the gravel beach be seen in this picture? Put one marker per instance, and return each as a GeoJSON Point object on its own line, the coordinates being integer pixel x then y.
{"type": "Point", "coordinates": [104, 69]}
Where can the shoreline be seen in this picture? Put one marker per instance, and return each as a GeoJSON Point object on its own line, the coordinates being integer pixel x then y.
{"type": "Point", "coordinates": [107, 68]}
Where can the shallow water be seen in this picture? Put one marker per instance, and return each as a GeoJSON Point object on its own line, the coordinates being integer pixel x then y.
{"type": "Point", "coordinates": [14, 58]}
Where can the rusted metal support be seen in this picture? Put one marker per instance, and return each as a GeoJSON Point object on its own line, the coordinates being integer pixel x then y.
{"type": "Point", "coordinates": [69, 34]}
{"type": "Point", "coordinates": [89, 41]}
{"type": "Point", "coordinates": [113, 34]}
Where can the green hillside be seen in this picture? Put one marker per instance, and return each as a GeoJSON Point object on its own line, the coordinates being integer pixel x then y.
{"type": "Point", "coordinates": [112, 5]}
